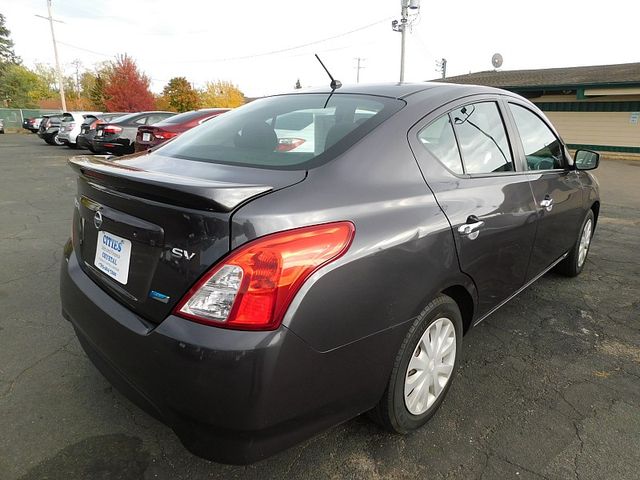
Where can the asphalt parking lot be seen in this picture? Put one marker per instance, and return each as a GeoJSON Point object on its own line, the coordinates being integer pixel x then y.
{"type": "Point", "coordinates": [548, 387]}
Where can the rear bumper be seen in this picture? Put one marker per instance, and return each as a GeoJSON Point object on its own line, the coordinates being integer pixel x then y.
{"type": "Point", "coordinates": [117, 146]}
{"type": "Point", "coordinates": [81, 141]}
{"type": "Point", "coordinates": [230, 396]}
{"type": "Point", "coordinates": [142, 146]}
{"type": "Point", "coordinates": [68, 137]}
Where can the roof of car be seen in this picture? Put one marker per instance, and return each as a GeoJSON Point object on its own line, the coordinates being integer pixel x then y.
{"type": "Point", "coordinates": [392, 90]}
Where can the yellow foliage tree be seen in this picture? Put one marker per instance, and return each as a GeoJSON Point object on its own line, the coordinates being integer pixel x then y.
{"type": "Point", "coordinates": [221, 94]}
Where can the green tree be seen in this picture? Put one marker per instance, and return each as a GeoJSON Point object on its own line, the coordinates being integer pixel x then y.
{"type": "Point", "coordinates": [7, 55]}
{"type": "Point", "coordinates": [94, 83]}
{"type": "Point", "coordinates": [180, 95]}
{"type": "Point", "coordinates": [221, 94]}
{"type": "Point", "coordinates": [7, 59]}
{"type": "Point", "coordinates": [22, 88]}
{"type": "Point", "coordinates": [48, 75]}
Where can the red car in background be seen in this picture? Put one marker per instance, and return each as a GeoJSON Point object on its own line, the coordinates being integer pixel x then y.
{"type": "Point", "coordinates": [151, 135]}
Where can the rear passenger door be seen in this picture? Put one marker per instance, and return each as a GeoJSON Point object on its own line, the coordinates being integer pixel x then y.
{"type": "Point", "coordinates": [468, 163]}
{"type": "Point", "coordinates": [556, 188]}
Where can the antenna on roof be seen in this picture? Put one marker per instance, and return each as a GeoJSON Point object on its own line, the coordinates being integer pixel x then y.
{"type": "Point", "coordinates": [496, 60]}
{"type": "Point", "coordinates": [334, 83]}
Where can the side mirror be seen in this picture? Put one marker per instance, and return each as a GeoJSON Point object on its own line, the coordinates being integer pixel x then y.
{"type": "Point", "coordinates": [586, 160]}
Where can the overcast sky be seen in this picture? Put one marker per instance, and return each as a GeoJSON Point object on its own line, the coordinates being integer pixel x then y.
{"type": "Point", "coordinates": [209, 39]}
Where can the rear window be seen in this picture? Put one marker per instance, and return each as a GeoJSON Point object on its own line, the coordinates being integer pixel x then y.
{"type": "Point", "coordinates": [89, 119]}
{"type": "Point", "coordinates": [183, 118]}
{"type": "Point", "coordinates": [113, 118]}
{"type": "Point", "coordinates": [67, 117]}
{"type": "Point", "coordinates": [125, 118]}
{"type": "Point", "coordinates": [287, 132]}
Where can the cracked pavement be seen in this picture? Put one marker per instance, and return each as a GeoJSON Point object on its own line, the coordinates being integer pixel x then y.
{"type": "Point", "coordinates": [548, 387]}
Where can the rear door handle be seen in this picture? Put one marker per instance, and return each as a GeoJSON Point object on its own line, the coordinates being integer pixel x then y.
{"type": "Point", "coordinates": [471, 228]}
{"type": "Point", "coordinates": [547, 203]}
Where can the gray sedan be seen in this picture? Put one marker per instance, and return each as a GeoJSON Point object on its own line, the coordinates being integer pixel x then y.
{"type": "Point", "coordinates": [313, 256]}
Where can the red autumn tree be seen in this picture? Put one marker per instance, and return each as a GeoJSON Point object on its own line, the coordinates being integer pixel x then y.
{"type": "Point", "coordinates": [127, 89]}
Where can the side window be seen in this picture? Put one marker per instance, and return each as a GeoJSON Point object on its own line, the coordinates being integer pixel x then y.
{"type": "Point", "coordinates": [141, 121]}
{"type": "Point", "coordinates": [482, 138]}
{"type": "Point", "coordinates": [541, 147]}
{"type": "Point", "coordinates": [439, 140]}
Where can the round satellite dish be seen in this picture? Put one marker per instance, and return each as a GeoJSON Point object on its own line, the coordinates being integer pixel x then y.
{"type": "Point", "coordinates": [496, 60]}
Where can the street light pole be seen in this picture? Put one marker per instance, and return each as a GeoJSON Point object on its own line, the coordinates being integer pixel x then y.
{"type": "Point", "coordinates": [403, 33]}
{"type": "Point", "coordinates": [55, 53]}
{"type": "Point", "coordinates": [401, 26]}
{"type": "Point", "coordinates": [358, 68]}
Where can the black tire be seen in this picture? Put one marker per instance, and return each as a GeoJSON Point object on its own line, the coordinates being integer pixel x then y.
{"type": "Point", "coordinates": [391, 412]}
{"type": "Point", "coordinates": [49, 140]}
{"type": "Point", "coordinates": [73, 146]}
{"type": "Point", "coordinates": [571, 266]}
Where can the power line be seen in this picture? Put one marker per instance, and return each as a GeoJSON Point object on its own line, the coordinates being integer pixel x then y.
{"type": "Point", "coordinates": [85, 49]}
{"type": "Point", "coordinates": [288, 49]}
{"type": "Point", "coordinates": [247, 57]}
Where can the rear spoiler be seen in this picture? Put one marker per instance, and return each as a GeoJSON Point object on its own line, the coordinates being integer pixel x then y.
{"type": "Point", "coordinates": [163, 187]}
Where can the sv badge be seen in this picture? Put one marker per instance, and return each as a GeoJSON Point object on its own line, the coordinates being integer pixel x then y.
{"type": "Point", "coordinates": [180, 253]}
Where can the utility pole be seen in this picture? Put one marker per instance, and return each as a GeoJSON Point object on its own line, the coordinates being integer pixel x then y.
{"type": "Point", "coordinates": [401, 26]}
{"type": "Point", "coordinates": [359, 67]}
{"type": "Point", "coordinates": [441, 66]}
{"type": "Point", "coordinates": [55, 53]}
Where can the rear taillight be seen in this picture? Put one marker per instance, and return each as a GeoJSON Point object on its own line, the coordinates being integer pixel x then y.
{"type": "Point", "coordinates": [111, 129]}
{"type": "Point", "coordinates": [287, 144]}
{"type": "Point", "coordinates": [252, 288]}
{"type": "Point", "coordinates": [164, 135]}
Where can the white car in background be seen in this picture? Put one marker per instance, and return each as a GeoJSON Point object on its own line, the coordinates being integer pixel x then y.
{"type": "Point", "coordinates": [70, 127]}
{"type": "Point", "coordinates": [299, 131]}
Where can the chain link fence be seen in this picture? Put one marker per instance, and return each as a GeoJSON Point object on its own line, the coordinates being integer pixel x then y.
{"type": "Point", "coordinates": [13, 117]}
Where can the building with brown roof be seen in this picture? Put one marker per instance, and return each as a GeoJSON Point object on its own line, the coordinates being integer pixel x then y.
{"type": "Point", "coordinates": [596, 107]}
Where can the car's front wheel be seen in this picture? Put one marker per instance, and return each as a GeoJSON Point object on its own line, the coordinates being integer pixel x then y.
{"type": "Point", "coordinates": [424, 368]}
{"type": "Point", "coordinates": [574, 263]}
{"type": "Point", "coordinates": [57, 141]}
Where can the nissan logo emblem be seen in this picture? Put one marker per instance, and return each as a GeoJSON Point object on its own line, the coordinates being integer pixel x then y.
{"type": "Point", "coordinates": [97, 219]}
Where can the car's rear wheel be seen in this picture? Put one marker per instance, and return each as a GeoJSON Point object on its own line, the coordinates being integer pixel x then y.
{"type": "Point", "coordinates": [424, 368]}
{"type": "Point", "coordinates": [49, 140]}
{"type": "Point", "coordinates": [575, 261]}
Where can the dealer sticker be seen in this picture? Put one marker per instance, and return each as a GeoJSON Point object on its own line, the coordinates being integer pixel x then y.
{"type": "Point", "coordinates": [112, 256]}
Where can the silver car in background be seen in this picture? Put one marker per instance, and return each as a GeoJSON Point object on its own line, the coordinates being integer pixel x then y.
{"type": "Point", "coordinates": [70, 127]}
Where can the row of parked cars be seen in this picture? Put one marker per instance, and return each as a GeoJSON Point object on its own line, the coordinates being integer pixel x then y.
{"type": "Point", "coordinates": [116, 133]}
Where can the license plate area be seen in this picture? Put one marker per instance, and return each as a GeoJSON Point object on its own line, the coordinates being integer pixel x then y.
{"type": "Point", "coordinates": [99, 133]}
{"type": "Point", "coordinates": [145, 240]}
{"type": "Point", "coordinates": [113, 256]}
{"type": "Point", "coordinates": [146, 136]}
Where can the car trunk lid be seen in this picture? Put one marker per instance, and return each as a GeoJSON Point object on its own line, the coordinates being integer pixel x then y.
{"type": "Point", "coordinates": [146, 228]}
